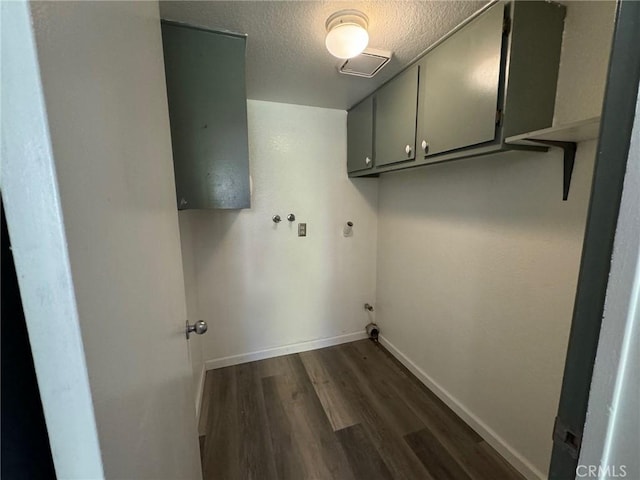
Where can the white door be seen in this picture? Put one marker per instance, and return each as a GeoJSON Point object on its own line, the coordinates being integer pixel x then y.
{"type": "Point", "coordinates": [87, 181]}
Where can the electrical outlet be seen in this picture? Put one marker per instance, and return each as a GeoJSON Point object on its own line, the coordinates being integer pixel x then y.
{"type": "Point", "coordinates": [302, 229]}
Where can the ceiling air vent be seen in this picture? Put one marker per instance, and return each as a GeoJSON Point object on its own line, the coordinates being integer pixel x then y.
{"type": "Point", "coordinates": [367, 64]}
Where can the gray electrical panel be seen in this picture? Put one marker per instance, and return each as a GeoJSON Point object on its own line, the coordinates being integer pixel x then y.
{"type": "Point", "coordinates": [205, 74]}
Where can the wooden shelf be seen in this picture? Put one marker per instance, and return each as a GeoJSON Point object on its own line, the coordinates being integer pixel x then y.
{"type": "Point", "coordinates": [565, 137]}
{"type": "Point", "coordinates": [571, 132]}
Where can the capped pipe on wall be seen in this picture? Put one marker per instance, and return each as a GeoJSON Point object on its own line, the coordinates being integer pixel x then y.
{"type": "Point", "coordinates": [372, 331]}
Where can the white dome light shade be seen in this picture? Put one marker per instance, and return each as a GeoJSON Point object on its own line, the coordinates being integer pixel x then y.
{"type": "Point", "coordinates": [347, 34]}
{"type": "Point", "coordinates": [347, 40]}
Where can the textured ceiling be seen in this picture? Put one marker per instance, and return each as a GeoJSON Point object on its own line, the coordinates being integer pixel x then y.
{"type": "Point", "coordinates": [286, 58]}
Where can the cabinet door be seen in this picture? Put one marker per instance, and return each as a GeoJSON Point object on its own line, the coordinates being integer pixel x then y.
{"type": "Point", "coordinates": [208, 112]}
{"type": "Point", "coordinates": [360, 136]}
{"type": "Point", "coordinates": [396, 108]}
{"type": "Point", "coordinates": [459, 81]}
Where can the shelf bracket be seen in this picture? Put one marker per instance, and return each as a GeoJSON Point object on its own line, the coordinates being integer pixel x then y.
{"type": "Point", "coordinates": [569, 149]}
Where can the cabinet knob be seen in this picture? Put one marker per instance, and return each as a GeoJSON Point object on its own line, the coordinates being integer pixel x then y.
{"type": "Point", "coordinates": [408, 149]}
{"type": "Point", "coordinates": [425, 146]}
{"type": "Point", "coordinates": [367, 160]}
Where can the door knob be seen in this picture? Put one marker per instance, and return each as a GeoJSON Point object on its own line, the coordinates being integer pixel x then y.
{"type": "Point", "coordinates": [408, 149]}
{"type": "Point", "coordinates": [198, 328]}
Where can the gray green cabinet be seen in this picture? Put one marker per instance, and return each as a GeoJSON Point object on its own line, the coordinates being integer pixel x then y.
{"type": "Point", "coordinates": [529, 88]}
{"type": "Point", "coordinates": [459, 86]}
{"type": "Point", "coordinates": [395, 119]}
{"type": "Point", "coordinates": [360, 136]}
{"type": "Point", "coordinates": [205, 75]}
{"type": "Point", "coordinates": [491, 78]}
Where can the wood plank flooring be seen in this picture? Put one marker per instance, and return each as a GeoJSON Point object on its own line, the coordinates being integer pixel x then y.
{"type": "Point", "coordinates": [346, 412]}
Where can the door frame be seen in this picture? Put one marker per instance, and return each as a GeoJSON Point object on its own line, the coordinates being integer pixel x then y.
{"type": "Point", "coordinates": [602, 219]}
{"type": "Point", "coordinates": [124, 368]}
{"type": "Point", "coordinates": [38, 240]}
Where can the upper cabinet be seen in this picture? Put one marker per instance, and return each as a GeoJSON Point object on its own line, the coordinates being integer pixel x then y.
{"type": "Point", "coordinates": [395, 125]}
{"type": "Point", "coordinates": [205, 74]}
{"type": "Point", "coordinates": [491, 78]}
{"type": "Point", "coordinates": [529, 88]}
{"type": "Point", "coordinates": [459, 86]}
{"type": "Point", "coordinates": [360, 136]}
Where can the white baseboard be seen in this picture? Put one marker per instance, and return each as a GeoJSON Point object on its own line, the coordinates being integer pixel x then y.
{"type": "Point", "coordinates": [284, 350]}
{"type": "Point", "coordinates": [492, 438]}
{"type": "Point", "coordinates": [200, 392]}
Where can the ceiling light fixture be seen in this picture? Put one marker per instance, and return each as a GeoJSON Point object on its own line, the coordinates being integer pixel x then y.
{"type": "Point", "coordinates": [347, 33]}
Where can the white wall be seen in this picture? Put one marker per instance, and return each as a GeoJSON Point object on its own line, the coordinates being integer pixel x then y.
{"type": "Point", "coordinates": [612, 430]}
{"type": "Point", "coordinates": [260, 286]}
{"type": "Point", "coordinates": [478, 263]}
{"type": "Point", "coordinates": [102, 72]}
{"type": "Point", "coordinates": [477, 269]}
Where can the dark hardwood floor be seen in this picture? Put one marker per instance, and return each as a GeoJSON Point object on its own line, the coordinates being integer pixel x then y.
{"type": "Point", "coordinates": [346, 412]}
